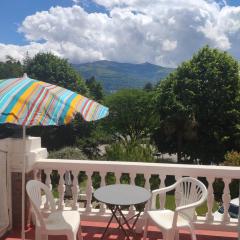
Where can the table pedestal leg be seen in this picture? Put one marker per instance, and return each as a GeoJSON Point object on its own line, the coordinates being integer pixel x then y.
{"type": "Point", "coordinates": [118, 209]}
{"type": "Point", "coordinates": [115, 210]}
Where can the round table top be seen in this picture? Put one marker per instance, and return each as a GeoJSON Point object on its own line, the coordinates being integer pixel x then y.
{"type": "Point", "coordinates": [122, 194]}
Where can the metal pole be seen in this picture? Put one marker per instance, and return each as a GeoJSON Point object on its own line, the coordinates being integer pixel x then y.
{"type": "Point", "coordinates": [23, 182]}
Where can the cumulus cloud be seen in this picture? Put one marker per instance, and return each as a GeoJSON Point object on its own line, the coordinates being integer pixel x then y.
{"type": "Point", "coordinates": [159, 31]}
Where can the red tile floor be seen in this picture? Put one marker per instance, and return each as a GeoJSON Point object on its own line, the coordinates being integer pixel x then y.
{"type": "Point", "coordinates": [94, 230]}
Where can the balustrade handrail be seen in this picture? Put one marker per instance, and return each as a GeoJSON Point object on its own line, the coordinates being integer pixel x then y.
{"type": "Point", "coordinates": [231, 172]}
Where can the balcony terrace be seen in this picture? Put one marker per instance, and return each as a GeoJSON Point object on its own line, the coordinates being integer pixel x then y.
{"type": "Point", "coordinates": [94, 216]}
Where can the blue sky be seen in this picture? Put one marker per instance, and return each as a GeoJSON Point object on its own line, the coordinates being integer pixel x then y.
{"type": "Point", "coordinates": [13, 12]}
{"type": "Point", "coordinates": [131, 31]}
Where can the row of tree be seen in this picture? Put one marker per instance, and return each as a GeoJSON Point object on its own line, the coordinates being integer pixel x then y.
{"type": "Point", "coordinates": [194, 112]}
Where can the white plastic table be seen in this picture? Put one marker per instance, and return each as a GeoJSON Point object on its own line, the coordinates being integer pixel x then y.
{"type": "Point", "coordinates": [121, 195]}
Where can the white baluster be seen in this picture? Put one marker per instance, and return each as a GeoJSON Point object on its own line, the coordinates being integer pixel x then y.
{"type": "Point", "coordinates": [162, 196]}
{"type": "Point", "coordinates": [49, 185]}
{"type": "Point", "coordinates": [226, 200]}
{"type": "Point", "coordinates": [61, 189]}
{"type": "Point", "coordinates": [148, 187]}
{"type": "Point", "coordinates": [89, 191]}
{"type": "Point", "coordinates": [103, 183]}
{"type": "Point", "coordinates": [210, 199]}
{"type": "Point", "coordinates": [132, 208]}
{"type": "Point", "coordinates": [75, 190]}
{"type": "Point", "coordinates": [147, 181]}
{"type": "Point", "coordinates": [36, 174]}
{"type": "Point", "coordinates": [118, 177]}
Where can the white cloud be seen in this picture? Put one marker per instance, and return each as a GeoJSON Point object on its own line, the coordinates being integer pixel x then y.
{"type": "Point", "coordinates": [168, 45]}
{"type": "Point", "coordinates": [164, 32]}
{"type": "Point", "coordinates": [76, 1]}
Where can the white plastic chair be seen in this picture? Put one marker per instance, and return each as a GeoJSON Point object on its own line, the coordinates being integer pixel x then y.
{"type": "Point", "coordinates": [58, 222]}
{"type": "Point", "coordinates": [192, 194]}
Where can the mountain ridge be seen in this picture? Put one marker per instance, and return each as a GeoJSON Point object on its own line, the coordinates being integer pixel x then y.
{"type": "Point", "coordinates": [115, 75]}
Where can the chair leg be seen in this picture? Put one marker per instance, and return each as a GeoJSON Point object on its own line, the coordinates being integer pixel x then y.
{"type": "Point", "coordinates": [79, 234]}
{"type": "Point", "coordinates": [71, 236]}
{"type": "Point", "coordinates": [37, 233]}
{"type": "Point", "coordinates": [145, 228]}
{"type": "Point", "coordinates": [168, 235]}
{"type": "Point", "coordinates": [44, 237]}
{"type": "Point", "coordinates": [164, 235]}
{"type": "Point", "coordinates": [176, 234]}
{"type": "Point", "coordinates": [193, 235]}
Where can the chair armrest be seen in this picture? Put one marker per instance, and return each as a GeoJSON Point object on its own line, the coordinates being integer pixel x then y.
{"type": "Point", "coordinates": [192, 205]}
{"type": "Point", "coordinates": [163, 190]}
{"type": "Point", "coordinates": [160, 191]}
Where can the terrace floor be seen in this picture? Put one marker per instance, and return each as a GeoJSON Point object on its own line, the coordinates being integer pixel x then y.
{"type": "Point", "coordinates": [94, 230]}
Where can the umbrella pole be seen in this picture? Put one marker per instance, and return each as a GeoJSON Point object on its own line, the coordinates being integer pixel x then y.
{"type": "Point", "coordinates": [23, 182]}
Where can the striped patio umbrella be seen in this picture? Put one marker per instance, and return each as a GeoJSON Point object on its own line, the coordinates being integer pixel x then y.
{"type": "Point", "coordinates": [28, 102]}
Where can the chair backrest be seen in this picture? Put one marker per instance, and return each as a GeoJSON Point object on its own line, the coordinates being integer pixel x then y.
{"type": "Point", "coordinates": [191, 191]}
{"type": "Point", "coordinates": [34, 190]}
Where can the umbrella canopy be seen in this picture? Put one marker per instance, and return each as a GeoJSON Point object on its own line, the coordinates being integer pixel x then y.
{"type": "Point", "coordinates": [28, 102]}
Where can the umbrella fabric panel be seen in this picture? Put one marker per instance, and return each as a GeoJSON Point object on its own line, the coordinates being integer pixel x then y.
{"type": "Point", "coordinates": [28, 102]}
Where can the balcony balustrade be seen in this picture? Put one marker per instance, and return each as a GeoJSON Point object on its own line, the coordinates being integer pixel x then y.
{"type": "Point", "coordinates": [162, 173]}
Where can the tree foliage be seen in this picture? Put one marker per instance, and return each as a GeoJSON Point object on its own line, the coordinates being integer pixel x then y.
{"type": "Point", "coordinates": [131, 113]}
{"type": "Point", "coordinates": [95, 89]}
{"type": "Point", "coordinates": [205, 91]}
{"type": "Point", "coordinates": [148, 86]}
{"type": "Point", "coordinates": [11, 68]}
{"type": "Point", "coordinates": [55, 70]}
{"type": "Point", "coordinates": [177, 125]}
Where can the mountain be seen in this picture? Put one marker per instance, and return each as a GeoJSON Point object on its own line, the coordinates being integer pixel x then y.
{"type": "Point", "coordinates": [115, 76]}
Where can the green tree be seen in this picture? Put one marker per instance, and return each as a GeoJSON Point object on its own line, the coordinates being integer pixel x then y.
{"type": "Point", "coordinates": [177, 126]}
{"type": "Point", "coordinates": [10, 68]}
{"type": "Point", "coordinates": [95, 89]}
{"type": "Point", "coordinates": [148, 86]}
{"type": "Point", "coordinates": [131, 113]}
{"type": "Point", "coordinates": [207, 87]}
{"type": "Point", "coordinates": [55, 70]}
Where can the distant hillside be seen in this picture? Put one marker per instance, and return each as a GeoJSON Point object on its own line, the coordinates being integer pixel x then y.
{"type": "Point", "coordinates": [115, 76]}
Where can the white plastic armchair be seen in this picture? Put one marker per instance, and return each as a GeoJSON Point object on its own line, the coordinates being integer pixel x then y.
{"type": "Point", "coordinates": [58, 222]}
{"type": "Point", "coordinates": [192, 193]}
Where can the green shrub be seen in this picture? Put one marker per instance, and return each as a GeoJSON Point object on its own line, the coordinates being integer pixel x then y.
{"type": "Point", "coordinates": [68, 153]}
{"type": "Point", "coordinates": [132, 151]}
{"type": "Point", "coordinates": [232, 158]}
